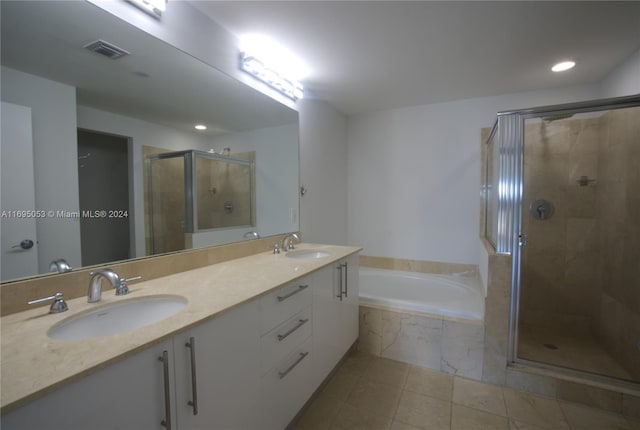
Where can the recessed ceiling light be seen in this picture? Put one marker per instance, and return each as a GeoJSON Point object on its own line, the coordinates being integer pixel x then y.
{"type": "Point", "coordinates": [563, 66]}
{"type": "Point", "coordinates": [200, 127]}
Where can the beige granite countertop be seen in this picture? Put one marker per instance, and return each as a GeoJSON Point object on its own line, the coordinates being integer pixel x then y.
{"type": "Point", "coordinates": [32, 364]}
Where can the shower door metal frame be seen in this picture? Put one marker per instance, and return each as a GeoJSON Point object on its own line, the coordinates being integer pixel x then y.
{"type": "Point", "coordinates": [511, 178]}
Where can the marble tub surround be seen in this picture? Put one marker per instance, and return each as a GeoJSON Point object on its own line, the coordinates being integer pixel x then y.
{"type": "Point", "coordinates": [454, 346]}
{"type": "Point", "coordinates": [15, 295]}
{"type": "Point", "coordinates": [422, 266]}
{"type": "Point", "coordinates": [449, 344]}
{"type": "Point", "coordinates": [33, 364]}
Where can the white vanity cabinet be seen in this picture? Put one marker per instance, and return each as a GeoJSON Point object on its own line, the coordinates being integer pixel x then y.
{"type": "Point", "coordinates": [127, 395]}
{"type": "Point", "coordinates": [252, 367]}
{"type": "Point", "coordinates": [335, 310]}
{"type": "Point", "coordinates": [131, 393]}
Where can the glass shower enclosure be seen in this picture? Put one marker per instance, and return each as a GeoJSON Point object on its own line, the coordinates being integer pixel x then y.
{"type": "Point", "coordinates": [191, 192]}
{"type": "Point", "coordinates": [562, 197]}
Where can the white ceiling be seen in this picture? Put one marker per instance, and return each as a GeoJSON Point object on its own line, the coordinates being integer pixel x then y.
{"type": "Point", "coordinates": [375, 55]}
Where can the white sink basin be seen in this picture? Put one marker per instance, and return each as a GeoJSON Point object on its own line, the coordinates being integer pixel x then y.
{"type": "Point", "coordinates": [305, 254]}
{"type": "Point", "coordinates": [117, 317]}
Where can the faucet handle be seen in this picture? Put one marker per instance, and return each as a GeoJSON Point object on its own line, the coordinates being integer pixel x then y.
{"type": "Point", "coordinates": [276, 249]}
{"type": "Point", "coordinates": [58, 305]}
{"type": "Point", "coordinates": [122, 288]}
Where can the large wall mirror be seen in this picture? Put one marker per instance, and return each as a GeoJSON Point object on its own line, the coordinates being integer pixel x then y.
{"type": "Point", "coordinates": [79, 129]}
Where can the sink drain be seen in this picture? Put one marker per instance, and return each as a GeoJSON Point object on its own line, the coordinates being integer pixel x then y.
{"type": "Point", "coordinates": [550, 346]}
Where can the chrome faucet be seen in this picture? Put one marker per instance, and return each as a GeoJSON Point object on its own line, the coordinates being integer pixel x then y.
{"type": "Point", "coordinates": [60, 265]}
{"type": "Point", "coordinates": [118, 283]}
{"type": "Point", "coordinates": [287, 242]}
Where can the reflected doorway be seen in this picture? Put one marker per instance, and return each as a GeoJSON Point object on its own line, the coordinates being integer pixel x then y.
{"type": "Point", "coordinates": [103, 177]}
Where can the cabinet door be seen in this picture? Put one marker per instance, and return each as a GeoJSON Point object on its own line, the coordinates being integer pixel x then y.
{"type": "Point", "coordinates": [125, 395]}
{"type": "Point", "coordinates": [326, 323]}
{"type": "Point", "coordinates": [227, 372]}
{"type": "Point", "coordinates": [350, 302]}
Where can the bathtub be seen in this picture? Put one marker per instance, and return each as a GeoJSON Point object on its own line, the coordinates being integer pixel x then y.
{"type": "Point", "coordinates": [433, 321]}
{"type": "Point", "coordinates": [445, 295]}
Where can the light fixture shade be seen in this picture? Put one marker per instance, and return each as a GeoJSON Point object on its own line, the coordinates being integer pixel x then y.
{"type": "Point", "coordinates": [256, 68]}
{"type": "Point", "coordinates": [153, 7]}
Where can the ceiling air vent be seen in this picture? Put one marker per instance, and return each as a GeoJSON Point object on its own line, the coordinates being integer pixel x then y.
{"type": "Point", "coordinates": [107, 49]}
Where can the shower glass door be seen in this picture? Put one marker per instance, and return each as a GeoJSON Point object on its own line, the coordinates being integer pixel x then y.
{"type": "Point", "coordinates": [579, 279]}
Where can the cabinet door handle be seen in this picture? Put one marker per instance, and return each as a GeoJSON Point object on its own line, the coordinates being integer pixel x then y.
{"type": "Point", "coordinates": [290, 368]}
{"type": "Point", "coordinates": [167, 391]}
{"type": "Point", "coordinates": [346, 280]}
{"type": "Point", "coordinates": [340, 286]}
{"type": "Point", "coordinates": [296, 291]}
{"type": "Point", "coordinates": [194, 388]}
{"type": "Point", "coordinates": [302, 322]}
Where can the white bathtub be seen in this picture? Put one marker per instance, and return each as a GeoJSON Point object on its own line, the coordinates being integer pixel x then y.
{"type": "Point", "coordinates": [444, 295]}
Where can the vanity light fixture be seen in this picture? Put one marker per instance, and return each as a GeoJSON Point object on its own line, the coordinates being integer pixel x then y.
{"type": "Point", "coordinates": [153, 7]}
{"type": "Point", "coordinates": [273, 65]}
{"type": "Point", "coordinates": [200, 127]}
{"type": "Point", "coordinates": [563, 66]}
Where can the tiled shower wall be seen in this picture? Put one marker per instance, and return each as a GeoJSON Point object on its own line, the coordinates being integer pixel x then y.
{"type": "Point", "coordinates": [559, 280]}
{"type": "Point", "coordinates": [581, 268]}
{"type": "Point", "coordinates": [220, 182]}
{"type": "Point", "coordinates": [617, 313]}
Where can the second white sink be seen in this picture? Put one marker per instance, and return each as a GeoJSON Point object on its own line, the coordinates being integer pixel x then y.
{"type": "Point", "coordinates": [117, 317]}
{"type": "Point", "coordinates": [305, 254]}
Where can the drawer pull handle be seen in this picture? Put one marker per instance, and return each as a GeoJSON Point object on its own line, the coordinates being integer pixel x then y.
{"type": "Point", "coordinates": [300, 358]}
{"type": "Point", "coordinates": [167, 390]}
{"type": "Point", "coordinates": [194, 388]}
{"type": "Point", "coordinates": [302, 322]}
{"type": "Point", "coordinates": [286, 296]}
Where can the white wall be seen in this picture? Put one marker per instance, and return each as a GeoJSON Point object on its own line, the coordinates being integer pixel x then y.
{"type": "Point", "coordinates": [323, 172]}
{"type": "Point", "coordinates": [141, 133]}
{"type": "Point", "coordinates": [414, 175]}
{"type": "Point", "coordinates": [624, 80]}
{"type": "Point", "coordinates": [55, 151]}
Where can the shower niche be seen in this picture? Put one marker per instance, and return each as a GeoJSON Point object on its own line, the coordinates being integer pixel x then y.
{"type": "Point", "coordinates": [193, 193]}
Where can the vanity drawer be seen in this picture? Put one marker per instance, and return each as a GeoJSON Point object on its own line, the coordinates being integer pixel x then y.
{"type": "Point", "coordinates": [279, 342]}
{"type": "Point", "coordinates": [287, 386]}
{"type": "Point", "coordinates": [285, 302]}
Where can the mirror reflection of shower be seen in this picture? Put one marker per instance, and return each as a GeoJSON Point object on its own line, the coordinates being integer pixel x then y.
{"type": "Point", "coordinates": [192, 192]}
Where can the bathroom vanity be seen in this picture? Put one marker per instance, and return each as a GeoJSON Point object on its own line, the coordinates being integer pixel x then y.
{"type": "Point", "coordinates": [256, 338]}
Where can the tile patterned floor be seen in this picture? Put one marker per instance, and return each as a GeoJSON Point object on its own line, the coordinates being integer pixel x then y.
{"type": "Point", "coordinates": [373, 393]}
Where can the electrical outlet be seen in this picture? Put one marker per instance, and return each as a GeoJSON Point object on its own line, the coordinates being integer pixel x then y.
{"type": "Point", "coordinates": [293, 215]}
